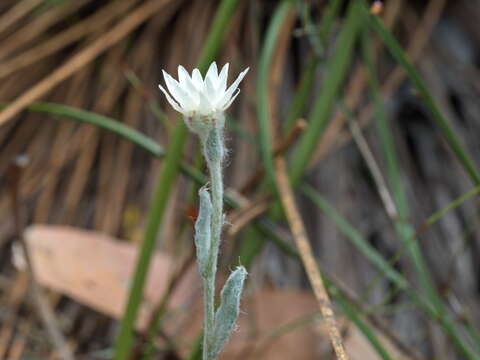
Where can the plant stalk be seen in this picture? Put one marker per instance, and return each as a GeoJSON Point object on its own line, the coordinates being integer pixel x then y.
{"type": "Point", "coordinates": [213, 150]}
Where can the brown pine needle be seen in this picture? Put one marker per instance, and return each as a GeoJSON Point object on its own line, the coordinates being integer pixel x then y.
{"type": "Point", "coordinates": [117, 33]}
{"type": "Point", "coordinates": [101, 18]}
{"type": "Point", "coordinates": [300, 235]}
{"type": "Point", "coordinates": [21, 9]}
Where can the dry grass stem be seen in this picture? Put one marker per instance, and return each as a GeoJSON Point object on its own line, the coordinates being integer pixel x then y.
{"type": "Point", "coordinates": [301, 239]}
{"type": "Point", "coordinates": [367, 154]}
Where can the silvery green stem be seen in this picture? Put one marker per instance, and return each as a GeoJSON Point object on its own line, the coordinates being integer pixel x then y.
{"type": "Point", "coordinates": [213, 150]}
{"type": "Point", "coordinates": [208, 229]}
{"type": "Point", "coordinates": [209, 316]}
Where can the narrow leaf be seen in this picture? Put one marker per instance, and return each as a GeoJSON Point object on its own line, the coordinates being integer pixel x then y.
{"type": "Point", "coordinates": [227, 313]}
{"type": "Point", "coordinates": [334, 76]}
{"type": "Point", "coordinates": [203, 231]}
{"type": "Point", "coordinates": [447, 131]}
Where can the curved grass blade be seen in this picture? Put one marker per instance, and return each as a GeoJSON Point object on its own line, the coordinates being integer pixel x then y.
{"type": "Point", "coordinates": [334, 76]}
{"type": "Point", "coordinates": [366, 249]}
{"type": "Point", "coordinates": [353, 315]}
{"type": "Point", "coordinates": [404, 229]}
{"type": "Point", "coordinates": [308, 75]}
{"type": "Point", "coordinates": [397, 278]}
{"type": "Point", "coordinates": [301, 95]}
{"type": "Point", "coordinates": [263, 112]}
{"type": "Point", "coordinates": [102, 122]}
{"type": "Point", "coordinates": [451, 206]}
{"type": "Point", "coordinates": [447, 131]}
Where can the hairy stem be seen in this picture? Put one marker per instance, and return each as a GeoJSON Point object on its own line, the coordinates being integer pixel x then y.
{"type": "Point", "coordinates": [209, 315]}
{"type": "Point", "coordinates": [213, 149]}
{"type": "Point", "coordinates": [215, 169]}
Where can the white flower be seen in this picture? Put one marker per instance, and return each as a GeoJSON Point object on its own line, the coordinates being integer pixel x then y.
{"type": "Point", "coordinates": [194, 96]}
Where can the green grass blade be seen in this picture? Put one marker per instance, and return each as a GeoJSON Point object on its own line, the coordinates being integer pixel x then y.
{"type": "Point", "coordinates": [449, 134]}
{"type": "Point", "coordinates": [352, 313]}
{"type": "Point", "coordinates": [331, 12]}
{"type": "Point", "coordinates": [398, 279]}
{"type": "Point", "coordinates": [196, 354]}
{"type": "Point", "coordinates": [308, 75]}
{"type": "Point", "coordinates": [301, 95]}
{"type": "Point", "coordinates": [404, 229]}
{"type": "Point", "coordinates": [250, 248]}
{"type": "Point", "coordinates": [334, 76]}
{"type": "Point", "coordinates": [355, 237]}
{"type": "Point", "coordinates": [453, 205]}
{"type": "Point", "coordinates": [216, 33]}
{"type": "Point", "coordinates": [100, 121]}
{"type": "Point", "coordinates": [155, 214]}
{"type": "Point", "coordinates": [263, 112]}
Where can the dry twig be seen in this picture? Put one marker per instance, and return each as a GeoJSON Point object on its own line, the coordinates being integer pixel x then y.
{"type": "Point", "coordinates": [306, 254]}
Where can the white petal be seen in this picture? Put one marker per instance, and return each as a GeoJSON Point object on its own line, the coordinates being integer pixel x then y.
{"type": "Point", "coordinates": [180, 95]}
{"type": "Point", "coordinates": [173, 87]}
{"type": "Point", "coordinates": [170, 100]}
{"type": "Point", "coordinates": [228, 94]}
{"type": "Point", "coordinates": [225, 107]}
{"type": "Point", "coordinates": [187, 84]}
{"type": "Point", "coordinates": [205, 107]}
{"type": "Point", "coordinates": [222, 79]}
{"type": "Point", "coordinates": [210, 83]}
{"type": "Point", "coordinates": [197, 79]}
{"type": "Point", "coordinates": [182, 74]}
{"type": "Point", "coordinates": [212, 73]}
{"type": "Point", "coordinates": [211, 91]}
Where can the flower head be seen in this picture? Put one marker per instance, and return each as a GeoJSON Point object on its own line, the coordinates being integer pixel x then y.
{"type": "Point", "coordinates": [194, 96]}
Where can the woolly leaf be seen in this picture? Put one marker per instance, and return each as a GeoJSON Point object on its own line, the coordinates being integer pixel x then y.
{"type": "Point", "coordinates": [203, 231]}
{"type": "Point", "coordinates": [227, 313]}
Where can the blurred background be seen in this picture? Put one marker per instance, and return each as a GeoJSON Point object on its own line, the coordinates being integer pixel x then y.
{"type": "Point", "coordinates": [373, 106]}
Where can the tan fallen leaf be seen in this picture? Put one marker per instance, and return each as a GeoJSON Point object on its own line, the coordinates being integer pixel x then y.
{"type": "Point", "coordinates": [94, 269]}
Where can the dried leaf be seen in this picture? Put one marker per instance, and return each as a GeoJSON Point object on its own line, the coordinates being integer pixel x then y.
{"type": "Point", "coordinates": [94, 269]}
